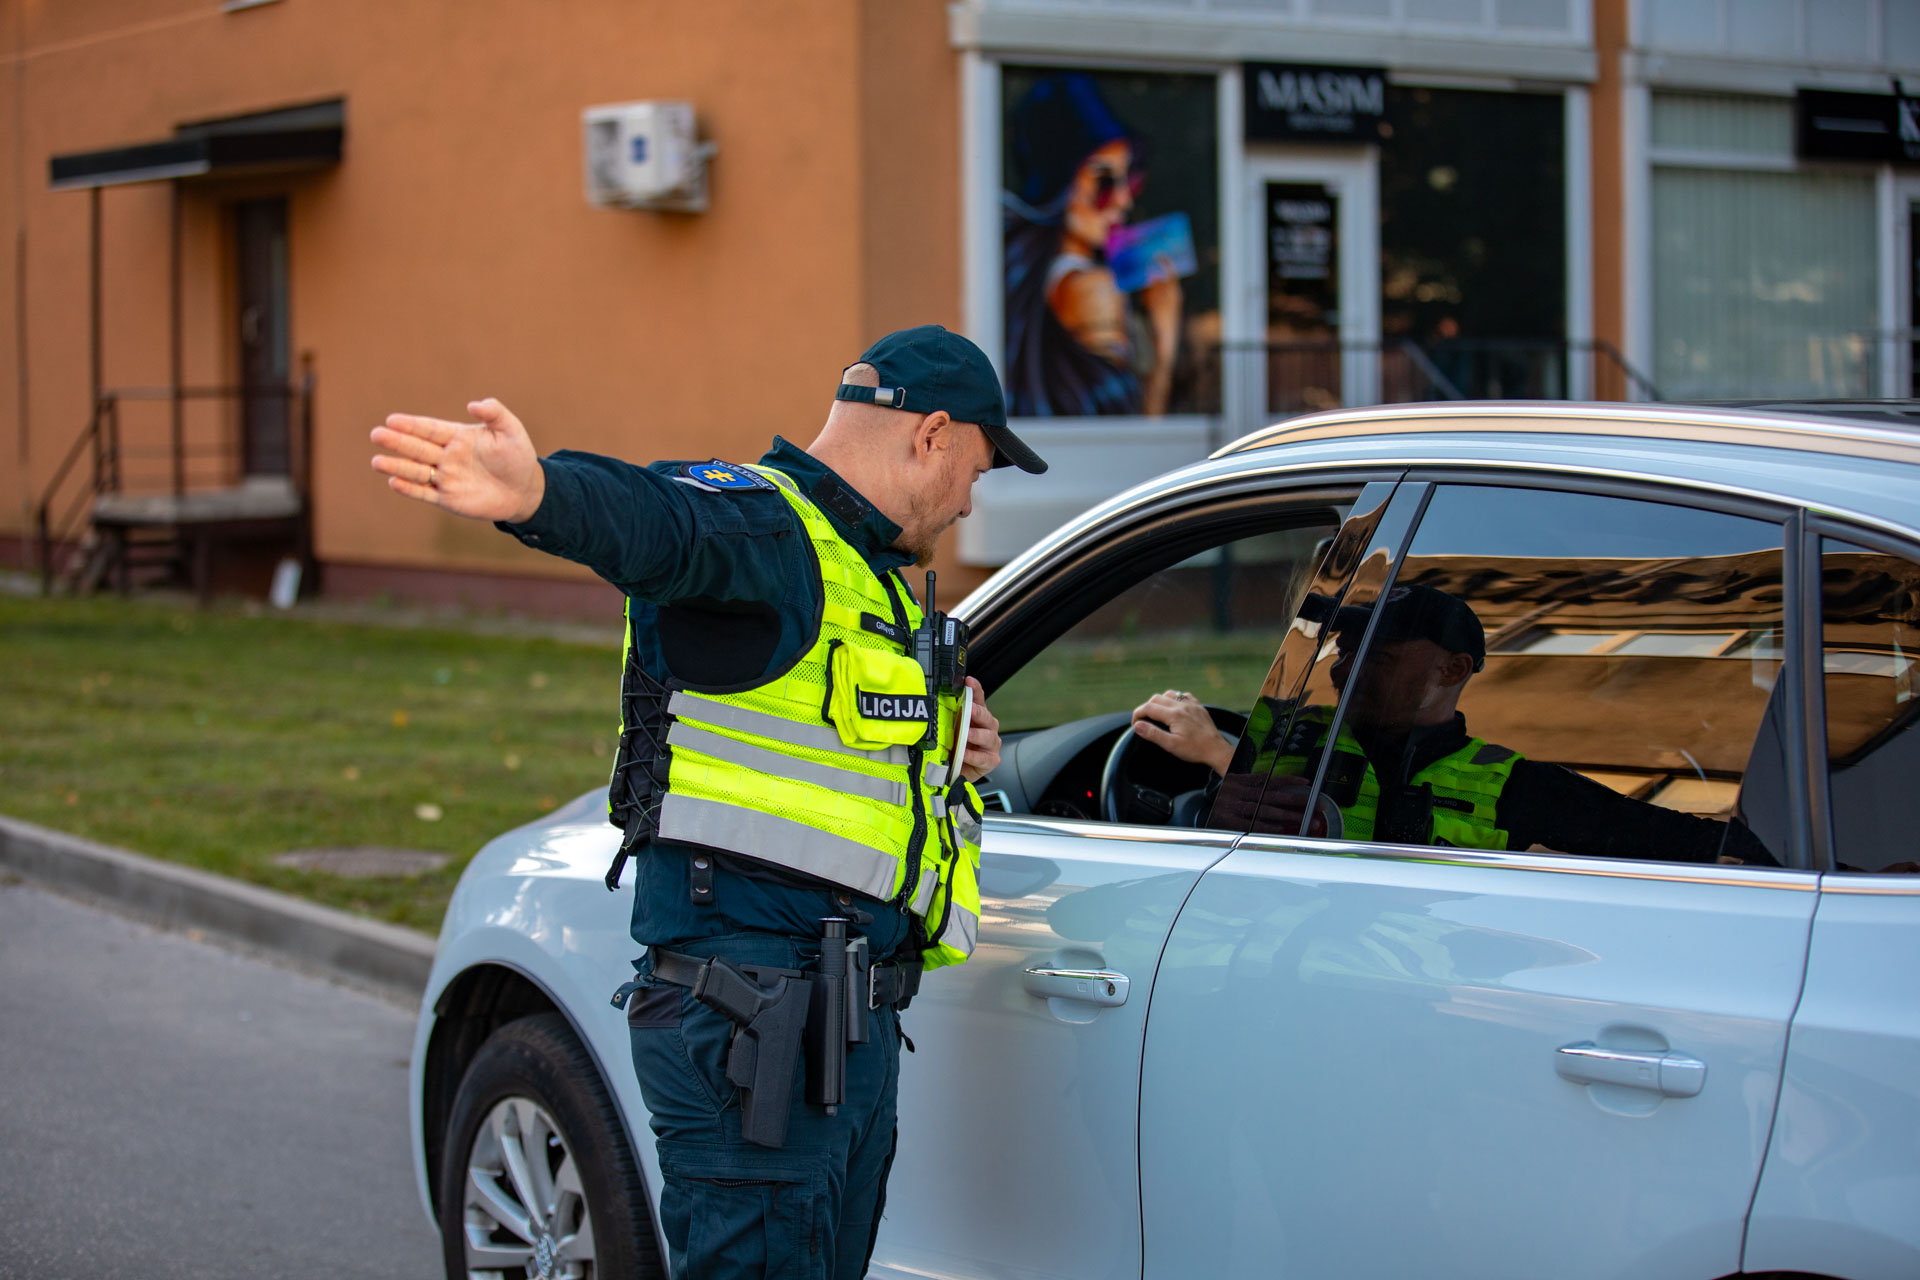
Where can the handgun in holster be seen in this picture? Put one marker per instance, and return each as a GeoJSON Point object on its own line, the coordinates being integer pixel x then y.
{"type": "Point", "coordinates": [764, 1056]}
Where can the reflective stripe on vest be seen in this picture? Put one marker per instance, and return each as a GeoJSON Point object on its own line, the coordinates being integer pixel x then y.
{"type": "Point", "coordinates": [819, 737]}
{"type": "Point", "coordinates": [683, 735]}
{"type": "Point", "coordinates": [804, 848]}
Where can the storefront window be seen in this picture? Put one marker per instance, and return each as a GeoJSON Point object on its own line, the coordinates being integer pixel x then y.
{"type": "Point", "coordinates": [1473, 238]}
{"type": "Point", "coordinates": [1763, 279]}
{"type": "Point", "coordinates": [1110, 209]}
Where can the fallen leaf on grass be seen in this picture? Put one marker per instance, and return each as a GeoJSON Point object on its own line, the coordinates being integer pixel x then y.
{"type": "Point", "coordinates": [512, 761]}
{"type": "Point", "coordinates": [427, 812]}
{"type": "Point", "coordinates": [399, 719]}
{"type": "Point", "coordinates": [538, 680]}
{"type": "Point", "coordinates": [351, 773]}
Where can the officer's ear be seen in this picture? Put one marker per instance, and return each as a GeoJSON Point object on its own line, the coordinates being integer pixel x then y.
{"type": "Point", "coordinates": [1455, 669]}
{"type": "Point", "coordinates": [935, 434]}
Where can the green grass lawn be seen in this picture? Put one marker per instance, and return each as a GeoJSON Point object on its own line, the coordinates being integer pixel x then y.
{"type": "Point", "coordinates": [220, 738]}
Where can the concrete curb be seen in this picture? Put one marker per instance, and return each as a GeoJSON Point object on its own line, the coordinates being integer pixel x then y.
{"type": "Point", "coordinates": [386, 956]}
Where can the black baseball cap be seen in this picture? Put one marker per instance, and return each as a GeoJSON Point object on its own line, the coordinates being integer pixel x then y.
{"type": "Point", "coordinates": [927, 368]}
{"type": "Point", "coordinates": [1421, 613]}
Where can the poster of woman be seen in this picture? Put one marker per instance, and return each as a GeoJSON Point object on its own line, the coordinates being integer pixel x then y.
{"type": "Point", "coordinates": [1110, 213]}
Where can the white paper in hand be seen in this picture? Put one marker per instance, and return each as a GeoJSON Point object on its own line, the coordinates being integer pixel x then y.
{"type": "Point", "coordinates": [960, 738]}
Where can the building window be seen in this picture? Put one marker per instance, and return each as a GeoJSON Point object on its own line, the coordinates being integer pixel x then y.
{"type": "Point", "coordinates": [1763, 274]}
{"type": "Point", "coordinates": [1110, 213]}
{"type": "Point", "coordinates": [1473, 261]}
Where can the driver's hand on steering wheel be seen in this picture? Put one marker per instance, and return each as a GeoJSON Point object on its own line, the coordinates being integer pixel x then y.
{"type": "Point", "coordinates": [1178, 723]}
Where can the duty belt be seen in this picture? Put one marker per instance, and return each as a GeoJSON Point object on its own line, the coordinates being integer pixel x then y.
{"type": "Point", "coordinates": [779, 1012]}
{"type": "Point", "coordinates": [887, 984]}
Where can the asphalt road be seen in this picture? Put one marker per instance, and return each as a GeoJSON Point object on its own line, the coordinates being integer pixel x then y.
{"type": "Point", "coordinates": [170, 1108]}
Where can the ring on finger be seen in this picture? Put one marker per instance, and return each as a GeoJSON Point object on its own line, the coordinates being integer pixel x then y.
{"type": "Point", "coordinates": [433, 477]}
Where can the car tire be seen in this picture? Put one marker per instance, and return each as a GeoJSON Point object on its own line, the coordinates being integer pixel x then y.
{"type": "Point", "coordinates": [533, 1122]}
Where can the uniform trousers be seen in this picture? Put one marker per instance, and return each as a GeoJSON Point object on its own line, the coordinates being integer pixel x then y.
{"type": "Point", "coordinates": [732, 1210]}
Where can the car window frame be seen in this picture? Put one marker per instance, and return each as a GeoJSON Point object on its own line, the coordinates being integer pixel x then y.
{"type": "Point", "coordinates": [1091, 571]}
{"type": "Point", "coordinates": [1801, 652]}
{"type": "Point", "coordinates": [1815, 530]}
{"type": "Point", "coordinates": [1066, 586]}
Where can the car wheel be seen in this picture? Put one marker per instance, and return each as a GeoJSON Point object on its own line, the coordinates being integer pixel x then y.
{"type": "Point", "coordinates": [537, 1179]}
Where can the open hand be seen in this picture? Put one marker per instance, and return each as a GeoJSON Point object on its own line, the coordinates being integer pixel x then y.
{"type": "Point", "coordinates": [487, 469]}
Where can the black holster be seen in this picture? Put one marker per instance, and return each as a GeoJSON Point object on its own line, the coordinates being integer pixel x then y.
{"type": "Point", "coordinates": [764, 1055]}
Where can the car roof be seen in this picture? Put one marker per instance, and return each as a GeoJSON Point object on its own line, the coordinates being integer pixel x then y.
{"type": "Point", "coordinates": [1862, 471]}
{"type": "Point", "coordinates": [1886, 430]}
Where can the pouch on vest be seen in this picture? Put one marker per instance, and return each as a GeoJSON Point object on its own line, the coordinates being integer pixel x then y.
{"type": "Point", "coordinates": [876, 699]}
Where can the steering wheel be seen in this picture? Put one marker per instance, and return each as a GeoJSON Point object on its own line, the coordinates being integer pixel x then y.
{"type": "Point", "coordinates": [1146, 785]}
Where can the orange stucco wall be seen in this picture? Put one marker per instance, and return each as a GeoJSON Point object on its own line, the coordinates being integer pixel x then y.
{"type": "Point", "coordinates": [452, 254]}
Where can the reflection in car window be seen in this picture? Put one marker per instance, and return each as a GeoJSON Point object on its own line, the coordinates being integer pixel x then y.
{"type": "Point", "coordinates": [1870, 605]}
{"type": "Point", "coordinates": [1553, 672]}
{"type": "Point", "coordinates": [1208, 624]}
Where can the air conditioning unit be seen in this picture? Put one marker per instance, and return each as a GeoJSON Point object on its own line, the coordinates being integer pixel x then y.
{"type": "Point", "coordinates": [645, 155]}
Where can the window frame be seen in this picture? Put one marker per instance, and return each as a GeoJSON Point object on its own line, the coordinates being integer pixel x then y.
{"type": "Point", "coordinates": [1080, 576]}
{"type": "Point", "coordinates": [1817, 529]}
{"type": "Point", "coordinates": [1805, 851]}
{"type": "Point", "coordinates": [1013, 629]}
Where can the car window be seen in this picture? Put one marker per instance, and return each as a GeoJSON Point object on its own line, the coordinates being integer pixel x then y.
{"type": "Point", "coordinates": [1196, 604]}
{"type": "Point", "coordinates": [1208, 624]}
{"type": "Point", "coordinates": [1870, 640]}
{"type": "Point", "coordinates": [1550, 672]}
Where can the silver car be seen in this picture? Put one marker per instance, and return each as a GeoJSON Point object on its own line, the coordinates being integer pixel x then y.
{"type": "Point", "coordinates": [1291, 1005]}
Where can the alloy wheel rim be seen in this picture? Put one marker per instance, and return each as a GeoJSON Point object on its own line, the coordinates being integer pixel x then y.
{"type": "Point", "coordinates": [524, 1212]}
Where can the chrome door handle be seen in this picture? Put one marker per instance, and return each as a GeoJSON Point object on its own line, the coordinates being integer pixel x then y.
{"type": "Point", "coordinates": [1674, 1074]}
{"type": "Point", "coordinates": [1094, 986]}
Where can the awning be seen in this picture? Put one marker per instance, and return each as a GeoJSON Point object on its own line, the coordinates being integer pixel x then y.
{"type": "Point", "coordinates": [285, 140]}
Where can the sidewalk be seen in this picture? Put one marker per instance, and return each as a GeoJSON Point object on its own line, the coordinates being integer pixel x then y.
{"type": "Point", "coordinates": [392, 961]}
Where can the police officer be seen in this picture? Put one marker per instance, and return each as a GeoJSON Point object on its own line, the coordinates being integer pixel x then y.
{"type": "Point", "coordinates": [1404, 768]}
{"type": "Point", "coordinates": [789, 771]}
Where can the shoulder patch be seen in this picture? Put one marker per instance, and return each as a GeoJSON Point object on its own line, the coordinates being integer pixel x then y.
{"type": "Point", "coordinates": [722, 476]}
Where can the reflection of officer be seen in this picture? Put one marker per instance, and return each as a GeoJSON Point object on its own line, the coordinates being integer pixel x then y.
{"type": "Point", "coordinates": [781, 763]}
{"type": "Point", "coordinates": [1404, 769]}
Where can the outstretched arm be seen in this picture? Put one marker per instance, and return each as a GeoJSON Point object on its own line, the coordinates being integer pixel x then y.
{"type": "Point", "coordinates": [486, 470]}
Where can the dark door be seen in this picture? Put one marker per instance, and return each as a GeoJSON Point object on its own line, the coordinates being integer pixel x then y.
{"type": "Point", "coordinates": [261, 235]}
{"type": "Point", "coordinates": [1303, 296]}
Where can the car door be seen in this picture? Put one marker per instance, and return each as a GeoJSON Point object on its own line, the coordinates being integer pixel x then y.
{"type": "Point", "coordinates": [1017, 1151]}
{"type": "Point", "coordinates": [1843, 1173]}
{"type": "Point", "coordinates": [1407, 1057]}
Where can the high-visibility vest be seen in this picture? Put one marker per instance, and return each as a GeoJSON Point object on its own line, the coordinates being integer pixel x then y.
{"type": "Point", "coordinates": [1466, 782]}
{"type": "Point", "coordinates": [820, 768]}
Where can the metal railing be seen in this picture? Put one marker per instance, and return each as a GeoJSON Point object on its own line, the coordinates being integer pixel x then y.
{"type": "Point", "coordinates": [131, 452]}
{"type": "Point", "coordinates": [1262, 380]}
